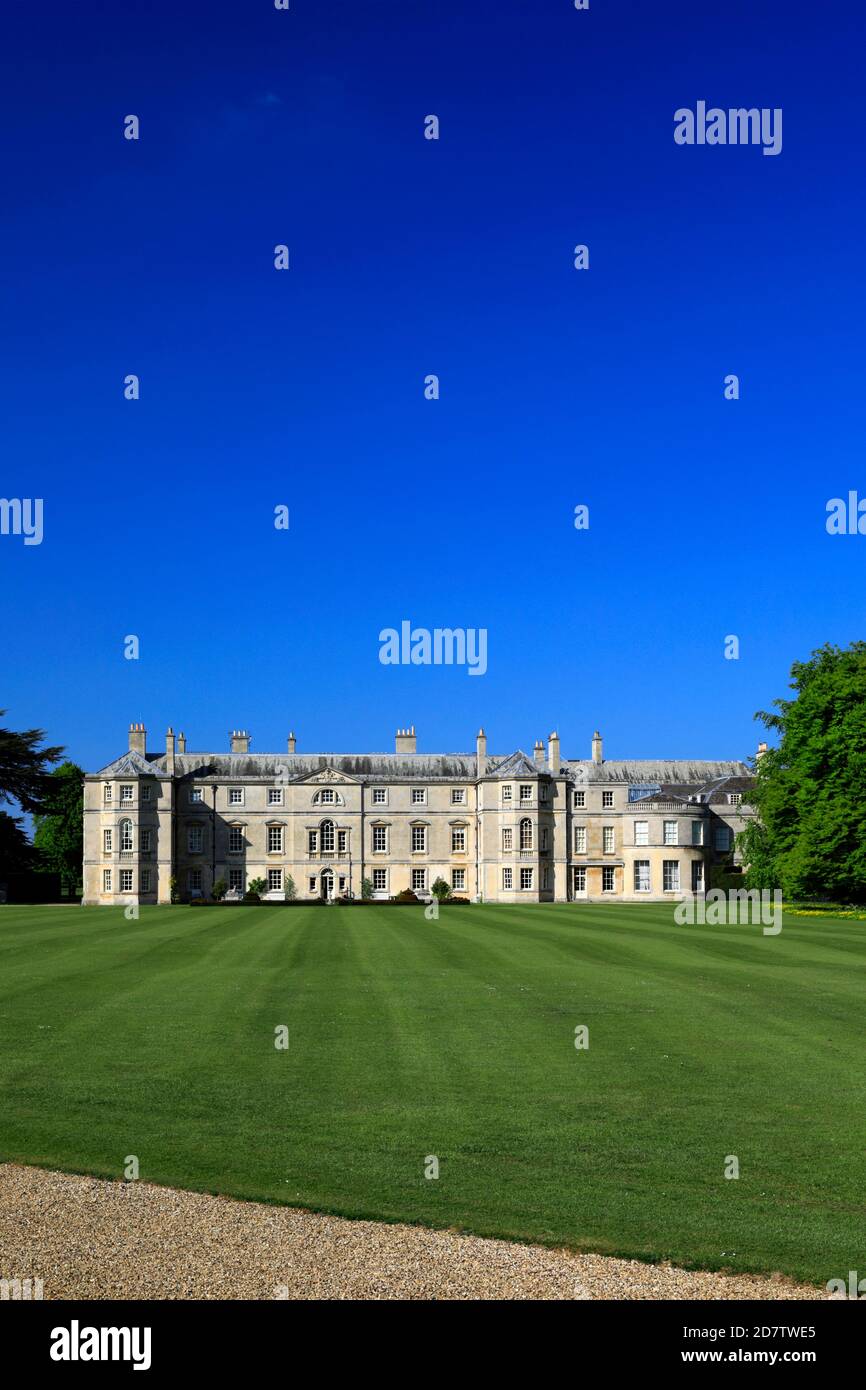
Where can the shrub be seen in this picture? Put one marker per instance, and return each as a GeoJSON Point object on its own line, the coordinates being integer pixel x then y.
{"type": "Point", "coordinates": [256, 886]}
{"type": "Point", "coordinates": [219, 890]}
{"type": "Point", "coordinates": [441, 890]}
{"type": "Point", "coordinates": [366, 889]}
{"type": "Point", "coordinates": [251, 897]}
{"type": "Point", "coordinates": [174, 892]}
{"type": "Point", "coordinates": [290, 889]}
{"type": "Point", "coordinates": [407, 896]}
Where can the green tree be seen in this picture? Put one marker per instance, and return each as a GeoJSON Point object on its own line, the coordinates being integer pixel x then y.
{"type": "Point", "coordinates": [59, 831]}
{"type": "Point", "coordinates": [16, 851]}
{"type": "Point", "coordinates": [219, 890]}
{"type": "Point", "coordinates": [441, 890]}
{"type": "Point", "coordinates": [256, 886]}
{"type": "Point", "coordinates": [24, 775]}
{"type": "Point", "coordinates": [366, 889]}
{"type": "Point", "coordinates": [290, 890]}
{"type": "Point", "coordinates": [810, 791]}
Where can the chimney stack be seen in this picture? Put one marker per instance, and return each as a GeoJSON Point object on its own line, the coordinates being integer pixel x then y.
{"type": "Point", "coordinates": [405, 740]}
{"type": "Point", "coordinates": [181, 742]}
{"type": "Point", "coordinates": [538, 751]}
{"type": "Point", "coordinates": [481, 754]}
{"type": "Point", "coordinates": [762, 748]}
{"type": "Point", "coordinates": [137, 739]}
{"type": "Point", "coordinates": [597, 756]}
{"type": "Point", "coordinates": [240, 741]}
{"type": "Point", "coordinates": [291, 746]}
{"type": "Point", "coordinates": [553, 752]}
{"type": "Point", "coordinates": [169, 751]}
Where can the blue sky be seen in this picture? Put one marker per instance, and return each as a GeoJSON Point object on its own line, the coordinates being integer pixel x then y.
{"type": "Point", "coordinates": [410, 257]}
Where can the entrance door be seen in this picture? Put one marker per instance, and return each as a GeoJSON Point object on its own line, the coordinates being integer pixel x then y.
{"type": "Point", "coordinates": [327, 885]}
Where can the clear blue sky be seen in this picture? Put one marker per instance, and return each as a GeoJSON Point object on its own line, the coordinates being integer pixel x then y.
{"type": "Point", "coordinates": [409, 257]}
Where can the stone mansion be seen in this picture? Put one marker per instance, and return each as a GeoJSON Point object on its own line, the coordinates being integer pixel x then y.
{"type": "Point", "coordinates": [497, 828]}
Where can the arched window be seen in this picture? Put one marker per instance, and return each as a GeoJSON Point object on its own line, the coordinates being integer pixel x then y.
{"type": "Point", "coordinates": [126, 834]}
{"type": "Point", "coordinates": [327, 835]}
{"type": "Point", "coordinates": [526, 833]}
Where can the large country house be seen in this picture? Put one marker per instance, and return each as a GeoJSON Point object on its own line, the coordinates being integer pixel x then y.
{"type": "Point", "coordinates": [508, 829]}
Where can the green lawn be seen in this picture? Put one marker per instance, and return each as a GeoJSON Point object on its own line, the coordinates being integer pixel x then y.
{"type": "Point", "coordinates": [456, 1038]}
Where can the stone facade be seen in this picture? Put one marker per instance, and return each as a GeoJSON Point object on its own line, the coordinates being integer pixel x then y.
{"type": "Point", "coordinates": [497, 828]}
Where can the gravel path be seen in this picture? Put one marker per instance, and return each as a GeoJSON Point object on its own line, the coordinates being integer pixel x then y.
{"type": "Point", "coordinates": [87, 1238]}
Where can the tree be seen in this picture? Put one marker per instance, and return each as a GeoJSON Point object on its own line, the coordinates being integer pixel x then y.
{"type": "Point", "coordinates": [810, 791]}
{"type": "Point", "coordinates": [16, 851]}
{"type": "Point", "coordinates": [290, 890]}
{"type": "Point", "coordinates": [219, 890]}
{"type": "Point", "coordinates": [256, 886]}
{"type": "Point", "coordinates": [59, 833]}
{"type": "Point", "coordinates": [24, 775]}
{"type": "Point", "coordinates": [441, 890]}
{"type": "Point", "coordinates": [366, 889]}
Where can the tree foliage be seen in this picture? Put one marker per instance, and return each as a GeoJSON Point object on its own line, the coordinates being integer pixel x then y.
{"type": "Point", "coordinates": [24, 775]}
{"type": "Point", "coordinates": [59, 830]}
{"type": "Point", "coordinates": [810, 791]}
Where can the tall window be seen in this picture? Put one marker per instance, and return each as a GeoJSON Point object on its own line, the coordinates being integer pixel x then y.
{"type": "Point", "coordinates": [341, 842]}
{"type": "Point", "coordinates": [697, 832]}
{"type": "Point", "coordinates": [195, 839]}
{"type": "Point", "coordinates": [607, 800]}
{"type": "Point", "coordinates": [419, 880]}
{"type": "Point", "coordinates": [458, 839]}
{"type": "Point", "coordinates": [580, 799]}
{"type": "Point", "coordinates": [106, 841]}
{"type": "Point", "coordinates": [193, 880]}
{"type": "Point", "coordinates": [144, 792]}
{"type": "Point", "coordinates": [275, 880]}
{"type": "Point", "coordinates": [419, 838]}
{"type": "Point", "coordinates": [327, 829]}
{"type": "Point", "coordinates": [107, 791]}
{"type": "Point", "coordinates": [526, 878]}
{"type": "Point", "coordinates": [507, 837]}
{"type": "Point", "coordinates": [526, 833]}
{"type": "Point", "coordinates": [641, 832]}
{"type": "Point", "coordinates": [507, 877]}
{"type": "Point", "coordinates": [608, 878]}
{"type": "Point", "coordinates": [458, 879]}
{"type": "Point", "coordinates": [671, 875]}
{"type": "Point", "coordinates": [722, 837]}
{"type": "Point", "coordinates": [670, 828]}
{"type": "Point", "coordinates": [641, 876]}
{"type": "Point", "coordinates": [126, 793]}
{"type": "Point", "coordinates": [236, 879]}
{"type": "Point", "coordinates": [543, 834]}
{"type": "Point", "coordinates": [236, 840]}
{"type": "Point", "coordinates": [126, 880]}
{"type": "Point", "coordinates": [126, 835]}
{"type": "Point", "coordinates": [380, 880]}
{"type": "Point", "coordinates": [580, 839]}
{"type": "Point", "coordinates": [144, 841]}
{"type": "Point", "coordinates": [106, 880]}
{"type": "Point", "coordinates": [607, 839]}
{"type": "Point", "coordinates": [380, 839]}
{"type": "Point", "coordinates": [526, 792]}
{"type": "Point", "coordinates": [506, 793]}
{"type": "Point", "coordinates": [145, 880]}
{"type": "Point", "coordinates": [580, 879]}
{"type": "Point", "coordinates": [312, 842]}
{"type": "Point", "coordinates": [275, 839]}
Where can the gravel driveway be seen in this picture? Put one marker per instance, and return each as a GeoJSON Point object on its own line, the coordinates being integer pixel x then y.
{"type": "Point", "coordinates": [86, 1238]}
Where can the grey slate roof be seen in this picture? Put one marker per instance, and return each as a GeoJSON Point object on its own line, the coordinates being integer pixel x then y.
{"type": "Point", "coordinates": [684, 772]}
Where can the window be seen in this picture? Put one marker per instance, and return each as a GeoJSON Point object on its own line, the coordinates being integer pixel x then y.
{"type": "Point", "coordinates": [145, 880]}
{"type": "Point", "coordinates": [607, 839]}
{"type": "Point", "coordinates": [507, 876]}
{"type": "Point", "coordinates": [607, 800]}
{"type": "Point", "coordinates": [734, 798]}
{"type": "Point", "coordinates": [579, 799]}
{"type": "Point", "coordinates": [236, 879]}
{"type": "Point", "coordinates": [458, 796]}
{"type": "Point", "coordinates": [608, 878]}
{"type": "Point", "coordinates": [327, 833]}
{"type": "Point", "coordinates": [126, 793]}
{"type": "Point", "coordinates": [107, 791]}
{"type": "Point", "coordinates": [193, 880]}
{"type": "Point", "coordinates": [419, 796]}
{"type": "Point", "coordinates": [670, 837]}
{"type": "Point", "coordinates": [311, 885]}
{"type": "Point", "coordinates": [580, 839]}
{"type": "Point", "coordinates": [126, 835]}
{"type": "Point", "coordinates": [327, 794]}
{"type": "Point", "coordinates": [545, 876]}
{"type": "Point", "coordinates": [641, 876]}
{"type": "Point", "coordinates": [313, 842]}
{"type": "Point", "coordinates": [526, 878]}
{"type": "Point", "coordinates": [697, 832]}
{"type": "Point", "coordinates": [195, 839]}
{"type": "Point", "coordinates": [380, 839]}
{"type": "Point", "coordinates": [458, 839]}
{"type": "Point", "coordinates": [419, 880]}
{"type": "Point", "coordinates": [542, 791]}
{"type": "Point", "coordinates": [671, 875]}
{"type": "Point", "coordinates": [458, 878]}
{"type": "Point", "coordinates": [236, 796]}
{"type": "Point", "coordinates": [380, 880]}
{"type": "Point", "coordinates": [275, 880]}
{"type": "Point", "coordinates": [506, 793]}
{"type": "Point", "coordinates": [341, 842]}
{"type": "Point", "coordinates": [126, 880]}
{"type": "Point", "coordinates": [507, 838]}
{"type": "Point", "coordinates": [526, 793]}
{"type": "Point", "coordinates": [144, 841]}
{"type": "Point", "coordinates": [275, 840]}
{"type": "Point", "coordinates": [275, 796]}
{"type": "Point", "coordinates": [697, 876]}
{"type": "Point", "coordinates": [379, 796]}
{"type": "Point", "coordinates": [106, 880]}
{"type": "Point", "coordinates": [236, 840]}
{"type": "Point", "coordinates": [195, 795]}
{"type": "Point", "coordinates": [419, 839]}
{"type": "Point", "coordinates": [106, 841]}
{"type": "Point", "coordinates": [580, 879]}
{"type": "Point", "coordinates": [722, 838]}
{"type": "Point", "coordinates": [144, 792]}
{"type": "Point", "coordinates": [641, 832]}
{"type": "Point", "coordinates": [543, 839]}
{"type": "Point", "coordinates": [526, 833]}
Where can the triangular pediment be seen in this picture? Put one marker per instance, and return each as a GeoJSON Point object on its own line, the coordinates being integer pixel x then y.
{"type": "Point", "coordinates": [328, 777]}
{"type": "Point", "coordinates": [130, 764]}
{"type": "Point", "coordinates": [516, 765]}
